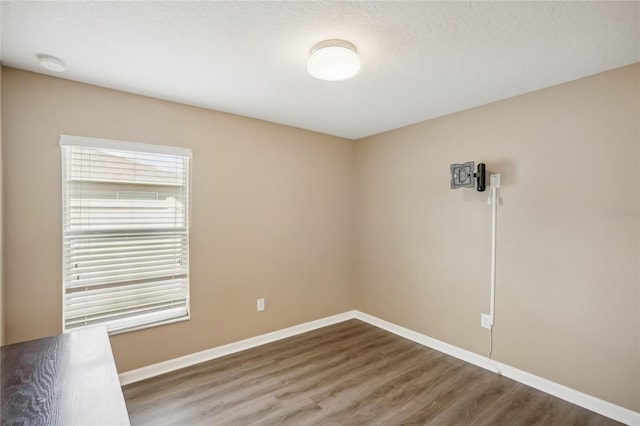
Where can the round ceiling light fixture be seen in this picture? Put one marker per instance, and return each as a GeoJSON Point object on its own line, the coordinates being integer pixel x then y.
{"type": "Point", "coordinates": [51, 63]}
{"type": "Point", "coordinates": [334, 60]}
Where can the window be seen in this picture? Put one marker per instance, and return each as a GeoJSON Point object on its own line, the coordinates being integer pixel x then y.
{"type": "Point", "coordinates": [125, 225]}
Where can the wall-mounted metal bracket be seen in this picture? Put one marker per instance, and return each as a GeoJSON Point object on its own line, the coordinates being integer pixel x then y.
{"type": "Point", "coordinates": [463, 176]}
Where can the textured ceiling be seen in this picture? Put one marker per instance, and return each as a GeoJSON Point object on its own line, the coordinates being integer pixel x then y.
{"type": "Point", "coordinates": [420, 59]}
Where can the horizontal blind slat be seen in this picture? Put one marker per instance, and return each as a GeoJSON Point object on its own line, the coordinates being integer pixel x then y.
{"type": "Point", "coordinates": [118, 319]}
{"type": "Point", "coordinates": [88, 305]}
{"type": "Point", "coordinates": [116, 323]}
{"type": "Point", "coordinates": [119, 279]}
{"type": "Point", "coordinates": [96, 309]}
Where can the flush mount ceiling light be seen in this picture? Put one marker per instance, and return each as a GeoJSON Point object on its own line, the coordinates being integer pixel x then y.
{"type": "Point", "coordinates": [51, 63]}
{"type": "Point", "coordinates": [334, 60]}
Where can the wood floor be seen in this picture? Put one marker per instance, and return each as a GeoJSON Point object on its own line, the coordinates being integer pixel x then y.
{"type": "Point", "coordinates": [350, 373]}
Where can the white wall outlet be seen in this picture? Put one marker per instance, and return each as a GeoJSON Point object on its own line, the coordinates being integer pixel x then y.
{"type": "Point", "coordinates": [494, 180]}
{"type": "Point", "coordinates": [260, 305]}
{"type": "Point", "coordinates": [485, 321]}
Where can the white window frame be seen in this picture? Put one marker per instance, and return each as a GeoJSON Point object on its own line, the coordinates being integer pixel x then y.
{"type": "Point", "coordinates": [94, 301]}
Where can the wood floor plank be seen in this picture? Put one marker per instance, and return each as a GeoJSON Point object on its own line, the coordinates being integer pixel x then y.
{"type": "Point", "coordinates": [350, 373]}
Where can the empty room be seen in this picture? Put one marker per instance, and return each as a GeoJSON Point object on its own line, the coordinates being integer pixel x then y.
{"type": "Point", "coordinates": [319, 213]}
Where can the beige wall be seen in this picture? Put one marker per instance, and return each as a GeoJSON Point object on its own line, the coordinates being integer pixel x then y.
{"type": "Point", "coordinates": [567, 297]}
{"type": "Point", "coordinates": [271, 214]}
{"type": "Point", "coordinates": [2, 333]}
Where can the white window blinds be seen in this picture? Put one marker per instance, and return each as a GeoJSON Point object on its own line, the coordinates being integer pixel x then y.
{"type": "Point", "coordinates": [125, 233]}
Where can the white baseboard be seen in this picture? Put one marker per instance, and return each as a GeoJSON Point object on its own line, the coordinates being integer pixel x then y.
{"type": "Point", "coordinates": [153, 370]}
{"type": "Point", "coordinates": [589, 402]}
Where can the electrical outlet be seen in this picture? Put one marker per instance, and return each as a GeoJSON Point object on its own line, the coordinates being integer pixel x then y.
{"type": "Point", "coordinates": [485, 321]}
{"type": "Point", "coordinates": [494, 180]}
{"type": "Point", "coordinates": [260, 305]}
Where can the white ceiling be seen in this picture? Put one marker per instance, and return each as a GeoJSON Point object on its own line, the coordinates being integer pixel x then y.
{"type": "Point", "coordinates": [420, 59]}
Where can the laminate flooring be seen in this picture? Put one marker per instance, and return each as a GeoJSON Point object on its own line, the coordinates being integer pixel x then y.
{"type": "Point", "coordinates": [351, 373]}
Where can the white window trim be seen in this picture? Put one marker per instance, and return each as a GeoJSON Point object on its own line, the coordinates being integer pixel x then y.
{"type": "Point", "coordinates": [68, 140]}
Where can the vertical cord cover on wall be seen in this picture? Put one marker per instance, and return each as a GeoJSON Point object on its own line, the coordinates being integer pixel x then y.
{"type": "Point", "coordinates": [493, 201]}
